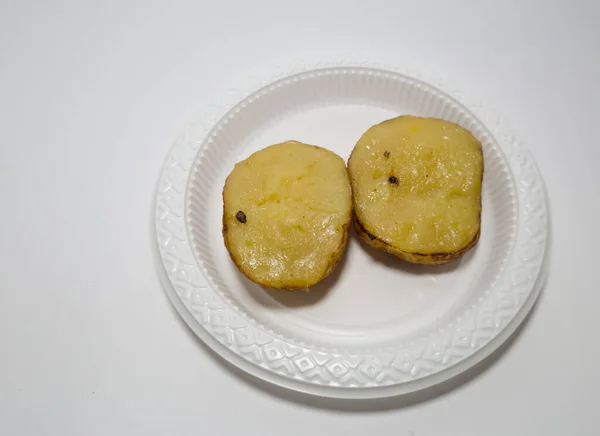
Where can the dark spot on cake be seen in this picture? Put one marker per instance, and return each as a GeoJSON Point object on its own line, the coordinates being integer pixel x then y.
{"type": "Point", "coordinates": [241, 216]}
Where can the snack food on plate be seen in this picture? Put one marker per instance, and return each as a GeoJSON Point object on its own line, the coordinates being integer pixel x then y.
{"type": "Point", "coordinates": [287, 210]}
{"type": "Point", "coordinates": [417, 188]}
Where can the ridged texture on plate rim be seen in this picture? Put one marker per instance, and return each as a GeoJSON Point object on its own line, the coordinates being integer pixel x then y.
{"type": "Point", "coordinates": [340, 83]}
{"type": "Point", "coordinates": [414, 362]}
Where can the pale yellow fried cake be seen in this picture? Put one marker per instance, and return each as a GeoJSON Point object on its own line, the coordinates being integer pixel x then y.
{"type": "Point", "coordinates": [417, 188]}
{"type": "Point", "coordinates": [287, 211]}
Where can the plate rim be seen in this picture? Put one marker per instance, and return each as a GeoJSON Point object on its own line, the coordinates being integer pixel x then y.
{"type": "Point", "coordinates": [346, 391]}
{"type": "Point", "coordinates": [231, 358]}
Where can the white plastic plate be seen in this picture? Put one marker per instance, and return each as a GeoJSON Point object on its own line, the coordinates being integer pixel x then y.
{"type": "Point", "coordinates": [377, 326]}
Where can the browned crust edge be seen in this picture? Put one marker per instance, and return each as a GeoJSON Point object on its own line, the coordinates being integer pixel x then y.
{"type": "Point", "coordinates": [419, 258]}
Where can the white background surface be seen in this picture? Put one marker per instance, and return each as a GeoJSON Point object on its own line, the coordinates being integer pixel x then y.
{"type": "Point", "coordinates": [92, 94]}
